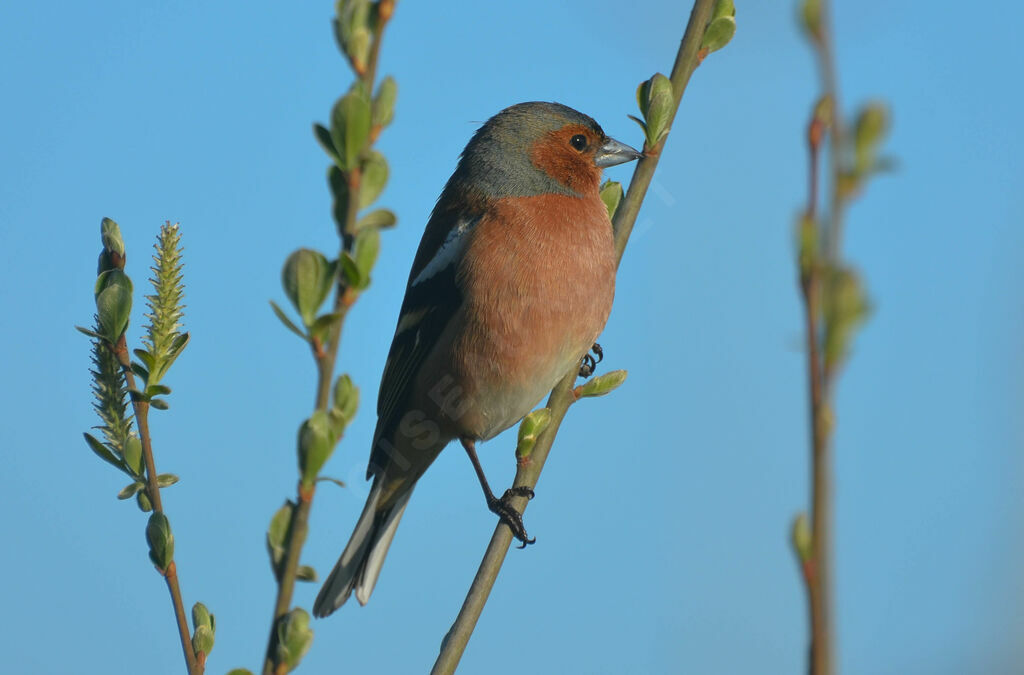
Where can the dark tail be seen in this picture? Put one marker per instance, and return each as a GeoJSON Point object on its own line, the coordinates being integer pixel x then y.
{"type": "Point", "coordinates": [360, 563]}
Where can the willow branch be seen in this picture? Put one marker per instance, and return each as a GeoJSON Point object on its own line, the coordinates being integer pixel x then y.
{"type": "Point", "coordinates": [562, 397]}
{"type": "Point", "coordinates": [141, 410]}
{"type": "Point", "coordinates": [325, 355]}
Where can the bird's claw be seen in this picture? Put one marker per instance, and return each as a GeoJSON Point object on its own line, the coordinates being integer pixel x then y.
{"type": "Point", "coordinates": [510, 516]}
{"type": "Point", "coordinates": [590, 362]}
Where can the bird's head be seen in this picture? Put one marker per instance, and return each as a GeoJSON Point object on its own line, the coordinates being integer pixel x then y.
{"type": "Point", "coordinates": [539, 148]}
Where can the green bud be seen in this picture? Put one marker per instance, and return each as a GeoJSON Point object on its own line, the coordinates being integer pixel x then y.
{"type": "Point", "coordinates": [602, 384]}
{"type": "Point", "coordinates": [350, 126]}
{"type": "Point", "coordinates": [845, 307]}
{"type": "Point", "coordinates": [307, 277]}
{"type": "Point", "coordinates": [806, 244]}
{"type": "Point", "coordinates": [142, 499]}
{"type": "Point", "coordinates": [656, 101]}
{"type": "Point", "coordinates": [204, 627]}
{"type": "Point", "coordinates": [305, 573]}
{"type": "Point", "coordinates": [810, 18]}
{"type": "Point", "coordinates": [346, 397]}
{"type": "Point", "coordinates": [374, 178]}
{"type": "Point", "coordinates": [110, 234]}
{"type": "Point", "coordinates": [384, 102]}
{"type": "Point", "coordinates": [721, 28]}
{"type": "Point", "coordinates": [294, 638]}
{"type": "Point", "coordinates": [529, 429]}
{"type": "Point", "coordinates": [113, 303]}
{"type": "Point", "coordinates": [166, 480]}
{"type": "Point", "coordinates": [871, 126]}
{"type": "Point", "coordinates": [239, 671]}
{"type": "Point", "coordinates": [316, 443]}
{"type": "Point", "coordinates": [800, 536]}
{"type": "Point", "coordinates": [161, 541]}
{"type": "Point", "coordinates": [277, 535]}
{"type": "Point", "coordinates": [611, 195]}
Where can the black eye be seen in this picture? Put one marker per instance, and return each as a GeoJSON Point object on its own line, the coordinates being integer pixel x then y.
{"type": "Point", "coordinates": [579, 141]}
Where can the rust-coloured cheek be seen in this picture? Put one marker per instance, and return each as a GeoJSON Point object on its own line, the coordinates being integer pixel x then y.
{"type": "Point", "coordinates": [553, 155]}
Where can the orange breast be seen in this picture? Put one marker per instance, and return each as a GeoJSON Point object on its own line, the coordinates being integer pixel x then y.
{"type": "Point", "coordinates": [538, 281]}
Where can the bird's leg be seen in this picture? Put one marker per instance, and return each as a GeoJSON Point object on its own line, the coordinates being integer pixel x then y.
{"type": "Point", "coordinates": [502, 507]}
{"type": "Point", "coordinates": [589, 362]}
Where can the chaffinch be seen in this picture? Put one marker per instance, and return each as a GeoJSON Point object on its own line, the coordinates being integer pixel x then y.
{"type": "Point", "coordinates": [511, 285]}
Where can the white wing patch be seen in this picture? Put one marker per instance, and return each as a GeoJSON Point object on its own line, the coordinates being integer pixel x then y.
{"type": "Point", "coordinates": [448, 252]}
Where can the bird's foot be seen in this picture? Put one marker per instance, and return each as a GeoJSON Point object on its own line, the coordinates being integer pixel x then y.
{"type": "Point", "coordinates": [590, 362]}
{"type": "Point", "coordinates": [508, 514]}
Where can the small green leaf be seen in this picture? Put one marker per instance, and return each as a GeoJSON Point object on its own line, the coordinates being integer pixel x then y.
{"type": "Point", "coordinates": [602, 384]}
{"type": "Point", "coordinates": [384, 102]}
{"type": "Point", "coordinates": [103, 452]}
{"type": "Point", "coordinates": [133, 454]}
{"type": "Point", "coordinates": [350, 270]}
{"type": "Point", "coordinates": [158, 390]}
{"type": "Point", "coordinates": [339, 483]}
{"type": "Point", "coordinates": [350, 126]}
{"type": "Point", "coordinates": [294, 637]}
{"type": "Point", "coordinates": [90, 333]}
{"type": "Point", "coordinates": [365, 251]}
{"type": "Point", "coordinates": [374, 178]}
{"type": "Point", "coordinates": [340, 191]}
{"type": "Point", "coordinates": [316, 443]}
{"type": "Point", "coordinates": [166, 480]}
{"type": "Point", "coordinates": [611, 195]}
{"type": "Point", "coordinates": [323, 137]}
{"type": "Point", "coordinates": [379, 219]}
{"type": "Point", "coordinates": [239, 671]}
{"type": "Point", "coordinates": [307, 278]}
{"type": "Point", "coordinates": [128, 491]}
{"type": "Point", "coordinates": [159, 404]}
{"type": "Point", "coordinates": [113, 304]}
{"type": "Point", "coordinates": [279, 313]}
{"type": "Point", "coordinates": [160, 540]}
{"type": "Point", "coordinates": [305, 573]}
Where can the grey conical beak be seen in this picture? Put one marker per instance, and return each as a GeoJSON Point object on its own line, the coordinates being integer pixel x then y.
{"type": "Point", "coordinates": [613, 152]}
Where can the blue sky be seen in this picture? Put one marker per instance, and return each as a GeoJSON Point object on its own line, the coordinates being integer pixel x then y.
{"type": "Point", "coordinates": [662, 516]}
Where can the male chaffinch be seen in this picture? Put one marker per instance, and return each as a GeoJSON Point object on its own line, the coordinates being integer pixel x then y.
{"type": "Point", "coordinates": [511, 285]}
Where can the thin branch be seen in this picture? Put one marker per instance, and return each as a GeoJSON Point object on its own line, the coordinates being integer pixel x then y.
{"type": "Point", "coordinates": [825, 256]}
{"type": "Point", "coordinates": [141, 409]}
{"type": "Point", "coordinates": [562, 396]}
{"type": "Point", "coordinates": [325, 355]}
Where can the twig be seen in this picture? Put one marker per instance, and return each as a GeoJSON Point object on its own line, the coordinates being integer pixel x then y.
{"type": "Point", "coordinates": [325, 355]}
{"type": "Point", "coordinates": [141, 409]}
{"type": "Point", "coordinates": [818, 567]}
{"type": "Point", "coordinates": [562, 396]}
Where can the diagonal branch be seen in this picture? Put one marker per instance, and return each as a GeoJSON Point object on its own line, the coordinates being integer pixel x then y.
{"type": "Point", "coordinates": [454, 644]}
